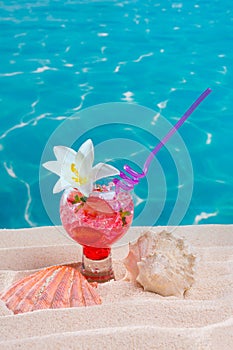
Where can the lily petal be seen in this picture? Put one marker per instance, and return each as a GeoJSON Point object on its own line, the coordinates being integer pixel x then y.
{"type": "Point", "coordinates": [53, 166]}
{"type": "Point", "coordinates": [60, 185]}
{"type": "Point", "coordinates": [84, 158]}
{"type": "Point", "coordinates": [102, 170]}
{"type": "Point", "coordinates": [86, 189]}
{"type": "Point", "coordinates": [62, 152]}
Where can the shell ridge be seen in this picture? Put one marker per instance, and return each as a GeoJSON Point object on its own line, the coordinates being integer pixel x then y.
{"type": "Point", "coordinates": [20, 282]}
{"type": "Point", "coordinates": [59, 295]}
{"type": "Point", "coordinates": [76, 291]}
{"type": "Point", "coordinates": [31, 297]}
{"type": "Point", "coordinates": [45, 294]}
{"type": "Point", "coordinates": [92, 297]}
{"type": "Point", "coordinates": [56, 284]}
{"type": "Point", "coordinates": [22, 299]}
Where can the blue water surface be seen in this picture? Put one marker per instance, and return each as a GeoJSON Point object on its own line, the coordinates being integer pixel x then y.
{"type": "Point", "coordinates": [59, 57]}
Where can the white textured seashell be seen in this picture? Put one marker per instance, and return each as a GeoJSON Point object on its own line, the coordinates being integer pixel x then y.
{"type": "Point", "coordinates": [143, 247]}
{"type": "Point", "coordinates": [161, 263]}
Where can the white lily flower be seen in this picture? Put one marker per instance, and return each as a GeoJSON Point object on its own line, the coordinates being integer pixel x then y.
{"type": "Point", "coordinates": [76, 169]}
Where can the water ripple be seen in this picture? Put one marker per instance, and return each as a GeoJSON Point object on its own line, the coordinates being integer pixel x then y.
{"type": "Point", "coordinates": [10, 171]}
{"type": "Point", "coordinates": [203, 216]}
{"type": "Point", "coordinates": [10, 74]}
{"type": "Point", "coordinates": [143, 56]}
{"type": "Point", "coordinates": [43, 69]}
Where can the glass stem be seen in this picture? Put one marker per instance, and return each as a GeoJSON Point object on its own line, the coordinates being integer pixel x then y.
{"type": "Point", "coordinates": [97, 264]}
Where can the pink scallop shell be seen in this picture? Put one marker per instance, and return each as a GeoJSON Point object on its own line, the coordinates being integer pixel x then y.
{"type": "Point", "coordinates": [51, 288]}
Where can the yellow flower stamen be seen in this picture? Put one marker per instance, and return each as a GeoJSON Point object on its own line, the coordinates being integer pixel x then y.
{"type": "Point", "coordinates": [80, 180]}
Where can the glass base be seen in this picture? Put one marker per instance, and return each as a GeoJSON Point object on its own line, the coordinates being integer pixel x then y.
{"type": "Point", "coordinates": [97, 270]}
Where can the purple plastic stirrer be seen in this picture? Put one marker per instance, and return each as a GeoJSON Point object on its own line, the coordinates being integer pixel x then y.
{"type": "Point", "coordinates": [133, 179]}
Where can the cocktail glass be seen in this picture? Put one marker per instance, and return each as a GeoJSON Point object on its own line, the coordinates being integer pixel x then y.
{"type": "Point", "coordinates": [97, 222]}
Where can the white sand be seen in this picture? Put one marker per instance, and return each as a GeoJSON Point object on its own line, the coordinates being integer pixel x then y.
{"type": "Point", "coordinates": [129, 318]}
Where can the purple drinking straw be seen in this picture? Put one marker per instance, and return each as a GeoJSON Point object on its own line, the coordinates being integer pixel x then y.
{"type": "Point", "coordinates": [175, 128]}
{"type": "Point", "coordinates": [134, 178]}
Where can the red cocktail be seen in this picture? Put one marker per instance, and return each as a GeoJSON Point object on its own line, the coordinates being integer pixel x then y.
{"type": "Point", "coordinates": [96, 222]}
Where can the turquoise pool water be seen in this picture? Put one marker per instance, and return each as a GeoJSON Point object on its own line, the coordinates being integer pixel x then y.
{"type": "Point", "coordinates": [59, 57]}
